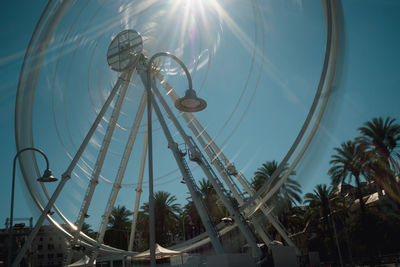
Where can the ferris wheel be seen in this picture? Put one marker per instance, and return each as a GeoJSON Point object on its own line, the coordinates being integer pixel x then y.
{"type": "Point", "coordinates": [133, 70]}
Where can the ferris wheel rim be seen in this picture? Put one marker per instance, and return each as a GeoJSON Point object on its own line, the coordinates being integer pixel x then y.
{"type": "Point", "coordinates": [37, 200]}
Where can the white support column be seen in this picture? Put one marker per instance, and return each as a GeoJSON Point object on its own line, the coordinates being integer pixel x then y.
{"type": "Point", "coordinates": [99, 164]}
{"type": "Point", "coordinates": [120, 175]}
{"type": "Point", "coordinates": [138, 192]}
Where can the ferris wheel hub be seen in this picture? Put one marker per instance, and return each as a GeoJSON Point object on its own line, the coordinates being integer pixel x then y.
{"type": "Point", "coordinates": [124, 50]}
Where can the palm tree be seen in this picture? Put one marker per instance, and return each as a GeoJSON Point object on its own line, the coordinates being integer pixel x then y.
{"type": "Point", "coordinates": [206, 187]}
{"type": "Point", "coordinates": [320, 201]}
{"type": "Point", "coordinates": [211, 199]}
{"type": "Point", "coordinates": [263, 174]}
{"type": "Point", "coordinates": [288, 194]}
{"type": "Point", "coordinates": [296, 220]}
{"type": "Point", "coordinates": [383, 138]}
{"type": "Point", "coordinates": [323, 203]}
{"type": "Point", "coordinates": [380, 141]}
{"type": "Point", "coordinates": [192, 224]}
{"type": "Point", "coordinates": [119, 218]}
{"type": "Point", "coordinates": [166, 216]}
{"type": "Point", "coordinates": [285, 198]}
{"type": "Point", "coordinates": [118, 227]}
{"type": "Point", "coordinates": [346, 164]}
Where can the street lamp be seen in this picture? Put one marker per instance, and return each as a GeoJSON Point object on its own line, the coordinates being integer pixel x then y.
{"type": "Point", "coordinates": [45, 178]}
{"type": "Point", "coordinates": [189, 103]}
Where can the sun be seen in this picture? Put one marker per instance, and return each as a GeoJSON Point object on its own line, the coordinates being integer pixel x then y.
{"type": "Point", "coordinates": [210, 15]}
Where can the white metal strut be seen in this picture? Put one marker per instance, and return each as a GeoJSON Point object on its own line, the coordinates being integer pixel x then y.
{"type": "Point", "coordinates": [138, 192]}
{"type": "Point", "coordinates": [120, 175]}
{"type": "Point", "coordinates": [99, 164]}
{"type": "Point", "coordinates": [67, 174]}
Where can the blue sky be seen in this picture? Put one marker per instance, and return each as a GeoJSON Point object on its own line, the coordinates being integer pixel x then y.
{"type": "Point", "coordinates": [274, 94]}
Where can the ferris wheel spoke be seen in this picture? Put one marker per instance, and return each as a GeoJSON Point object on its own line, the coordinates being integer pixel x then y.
{"type": "Point", "coordinates": [95, 124]}
{"type": "Point", "coordinates": [99, 163]}
{"type": "Point", "coordinates": [120, 175]}
{"type": "Point", "coordinates": [67, 174]}
{"type": "Point", "coordinates": [138, 192]}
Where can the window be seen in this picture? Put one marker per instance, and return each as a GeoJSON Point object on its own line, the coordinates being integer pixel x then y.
{"type": "Point", "coordinates": [50, 256]}
{"type": "Point", "coordinates": [40, 256]}
{"type": "Point", "coordinates": [59, 255]}
{"type": "Point", "coordinates": [50, 246]}
{"type": "Point", "coordinates": [40, 247]}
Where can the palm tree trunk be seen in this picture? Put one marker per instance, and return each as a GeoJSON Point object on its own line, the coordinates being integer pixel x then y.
{"type": "Point", "coordinates": [359, 194]}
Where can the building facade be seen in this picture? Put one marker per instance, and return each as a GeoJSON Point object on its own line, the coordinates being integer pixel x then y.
{"type": "Point", "coordinates": [47, 249]}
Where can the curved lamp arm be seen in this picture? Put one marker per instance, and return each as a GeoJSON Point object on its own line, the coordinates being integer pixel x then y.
{"type": "Point", "coordinates": [190, 102]}
{"type": "Point", "coordinates": [166, 54]}
{"type": "Point", "coordinates": [33, 149]}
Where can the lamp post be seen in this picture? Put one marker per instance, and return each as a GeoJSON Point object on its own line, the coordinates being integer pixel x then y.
{"type": "Point", "coordinates": [189, 103]}
{"type": "Point", "coordinates": [45, 178]}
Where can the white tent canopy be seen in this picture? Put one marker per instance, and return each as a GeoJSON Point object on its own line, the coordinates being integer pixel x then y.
{"type": "Point", "coordinates": [161, 253]}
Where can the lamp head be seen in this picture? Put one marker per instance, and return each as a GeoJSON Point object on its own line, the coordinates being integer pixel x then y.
{"type": "Point", "coordinates": [47, 177]}
{"type": "Point", "coordinates": [190, 102]}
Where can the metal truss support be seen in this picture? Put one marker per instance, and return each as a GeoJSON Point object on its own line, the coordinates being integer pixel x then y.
{"type": "Point", "coordinates": [98, 166]}
{"type": "Point", "coordinates": [138, 193]}
{"type": "Point", "coordinates": [67, 174]}
{"type": "Point", "coordinates": [120, 176]}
